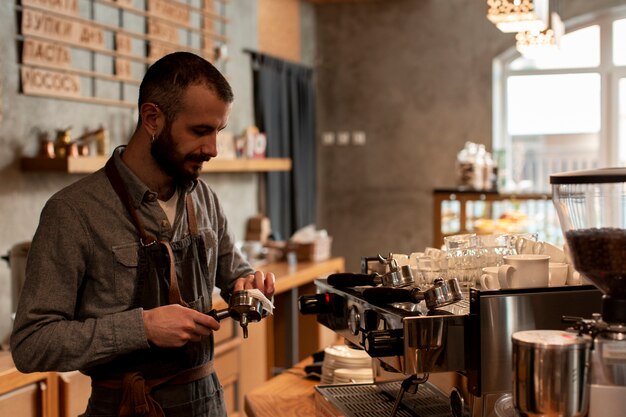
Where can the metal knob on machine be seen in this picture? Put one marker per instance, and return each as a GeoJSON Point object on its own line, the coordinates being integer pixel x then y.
{"type": "Point", "coordinates": [319, 304]}
{"type": "Point", "coordinates": [379, 343]}
{"type": "Point", "coordinates": [243, 308]}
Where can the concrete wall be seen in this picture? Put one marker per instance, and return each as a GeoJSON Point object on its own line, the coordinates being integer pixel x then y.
{"type": "Point", "coordinates": [415, 76]}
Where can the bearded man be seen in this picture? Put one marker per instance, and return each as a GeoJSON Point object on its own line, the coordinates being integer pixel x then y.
{"type": "Point", "coordinates": [122, 267]}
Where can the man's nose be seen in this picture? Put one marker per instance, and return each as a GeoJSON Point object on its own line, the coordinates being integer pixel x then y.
{"type": "Point", "coordinates": [209, 145]}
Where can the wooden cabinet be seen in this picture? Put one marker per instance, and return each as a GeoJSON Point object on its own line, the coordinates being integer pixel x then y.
{"type": "Point", "coordinates": [74, 392]}
{"type": "Point", "coordinates": [458, 212]}
{"type": "Point", "coordinates": [227, 363]}
{"type": "Point", "coordinates": [41, 394]}
{"type": "Point", "coordinates": [28, 400]}
{"type": "Point", "coordinates": [27, 395]}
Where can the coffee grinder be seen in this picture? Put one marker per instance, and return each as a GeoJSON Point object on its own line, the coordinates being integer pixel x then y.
{"type": "Point", "coordinates": [591, 206]}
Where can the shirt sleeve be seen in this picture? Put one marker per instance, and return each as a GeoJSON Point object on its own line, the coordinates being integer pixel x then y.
{"type": "Point", "coordinates": [47, 335]}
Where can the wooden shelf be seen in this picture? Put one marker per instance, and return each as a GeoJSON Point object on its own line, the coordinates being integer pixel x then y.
{"type": "Point", "coordinates": [88, 164]}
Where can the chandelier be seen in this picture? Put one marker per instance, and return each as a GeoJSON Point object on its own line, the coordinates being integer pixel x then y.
{"type": "Point", "coordinates": [536, 45]}
{"type": "Point", "coordinates": [518, 15]}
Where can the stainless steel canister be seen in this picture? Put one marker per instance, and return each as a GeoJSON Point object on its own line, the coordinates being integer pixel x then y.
{"type": "Point", "coordinates": [550, 372]}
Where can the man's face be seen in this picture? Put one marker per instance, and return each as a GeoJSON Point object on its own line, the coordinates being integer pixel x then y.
{"type": "Point", "coordinates": [191, 139]}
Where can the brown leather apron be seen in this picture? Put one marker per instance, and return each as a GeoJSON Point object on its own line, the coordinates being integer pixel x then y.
{"type": "Point", "coordinates": [167, 273]}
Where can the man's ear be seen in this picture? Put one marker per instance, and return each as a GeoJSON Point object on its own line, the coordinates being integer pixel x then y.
{"type": "Point", "coordinates": [151, 118]}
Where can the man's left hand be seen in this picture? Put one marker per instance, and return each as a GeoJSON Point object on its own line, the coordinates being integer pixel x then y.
{"type": "Point", "coordinates": [259, 280]}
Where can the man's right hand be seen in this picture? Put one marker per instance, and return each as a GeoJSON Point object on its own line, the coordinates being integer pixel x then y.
{"type": "Point", "coordinates": [173, 325]}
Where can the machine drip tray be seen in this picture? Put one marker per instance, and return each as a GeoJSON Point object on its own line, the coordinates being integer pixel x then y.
{"type": "Point", "coordinates": [377, 400]}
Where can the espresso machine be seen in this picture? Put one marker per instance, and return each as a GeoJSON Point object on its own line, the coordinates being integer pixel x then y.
{"type": "Point", "coordinates": [591, 206]}
{"type": "Point", "coordinates": [438, 352]}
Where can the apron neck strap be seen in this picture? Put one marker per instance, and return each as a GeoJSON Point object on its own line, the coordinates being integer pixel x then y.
{"type": "Point", "coordinates": [120, 189]}
{"type": "Point", "coordinates": [192, 223]}
{"type": "Point", "coordinates": [174, 292]}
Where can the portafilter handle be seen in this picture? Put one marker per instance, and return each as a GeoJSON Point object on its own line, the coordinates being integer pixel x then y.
{"type": "Point", "coordinates": [442, 293]}
{"type": "Point", "coordinates": [385, 295]}
{"type": "Point", "coordinates": [347, 280]}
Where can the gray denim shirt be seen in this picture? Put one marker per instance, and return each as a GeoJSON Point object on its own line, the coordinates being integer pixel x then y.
{"type": "Point", "coordinates": [74, 310]}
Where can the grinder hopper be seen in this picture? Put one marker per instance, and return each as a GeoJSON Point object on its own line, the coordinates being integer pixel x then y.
{"type": "Point", "coordinates": [591, 206]}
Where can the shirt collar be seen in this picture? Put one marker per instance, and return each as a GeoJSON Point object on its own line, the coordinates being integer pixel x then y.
{"type": "Point", "coordinates": [137, 190]}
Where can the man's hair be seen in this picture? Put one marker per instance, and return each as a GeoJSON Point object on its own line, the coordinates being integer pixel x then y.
{"type": "Point", "coordinates": [167, 80]}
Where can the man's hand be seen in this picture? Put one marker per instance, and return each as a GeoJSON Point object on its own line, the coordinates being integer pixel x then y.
{"type": "Point", "coordinates": [174, 325]}
{"type": "Point", "coordinates": [257, 280]}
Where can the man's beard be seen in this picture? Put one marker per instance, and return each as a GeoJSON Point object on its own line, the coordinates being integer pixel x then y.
{"type": "Point", "coordinates": [164, 153]}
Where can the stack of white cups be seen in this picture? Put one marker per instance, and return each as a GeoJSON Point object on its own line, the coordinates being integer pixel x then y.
{"type": "Point", "coordinates": [346, 364]}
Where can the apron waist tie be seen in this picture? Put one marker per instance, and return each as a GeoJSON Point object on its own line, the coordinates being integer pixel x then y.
{"type": "Point", "coordinates": [136, 397]}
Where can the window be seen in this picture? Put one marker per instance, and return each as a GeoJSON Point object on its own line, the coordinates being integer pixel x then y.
{"type": "Point", "coordinates": [565, 112]}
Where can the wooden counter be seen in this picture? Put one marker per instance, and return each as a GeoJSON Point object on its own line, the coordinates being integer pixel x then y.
{"type": "Point", "coordinates": [290, 277]}
{"type": "Point", "coordinates": [288, 394]}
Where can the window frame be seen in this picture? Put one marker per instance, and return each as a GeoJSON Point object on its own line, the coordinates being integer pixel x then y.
{"type": "Point", "coordinates": [610, 75]}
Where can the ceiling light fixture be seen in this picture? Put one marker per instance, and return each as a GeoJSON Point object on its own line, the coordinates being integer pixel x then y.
{"type": "Point", "coordinates": [519, 15]}
{"type": "Point", "coordinates": [537, 45]}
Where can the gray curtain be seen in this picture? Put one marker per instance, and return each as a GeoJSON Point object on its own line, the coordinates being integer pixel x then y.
{"type": "Point", "coordinates": [284, 109]}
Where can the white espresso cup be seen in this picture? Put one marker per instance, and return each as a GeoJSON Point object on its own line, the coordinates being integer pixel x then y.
{"type": "Point", "coordinates": [489, 278]}
{"type": "Point", "coordinates": [524, 271]}
{"type": "Point", "coordinates": [558, 274]}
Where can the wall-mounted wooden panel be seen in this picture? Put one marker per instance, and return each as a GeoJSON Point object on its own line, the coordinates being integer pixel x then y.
{"type": "Point", "coordinates": [279, 28]}
{"type": "Point", "coordinates": [98, 50]}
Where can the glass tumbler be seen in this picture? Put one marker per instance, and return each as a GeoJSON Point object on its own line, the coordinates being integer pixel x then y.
{"type": "Point", "coordinates": [429, 269]}
{"type": "Point", "coordinates": [465, 265]}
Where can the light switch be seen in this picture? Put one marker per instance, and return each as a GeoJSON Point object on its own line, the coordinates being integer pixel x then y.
{"type": "Point", "coordinates": [358, 138]}
{"type": "Point", "coordinates": [343, 138]}
{"type": "Point", "coordinates": [328, 138]}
